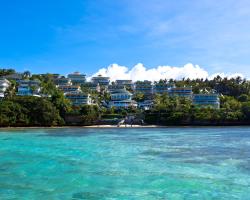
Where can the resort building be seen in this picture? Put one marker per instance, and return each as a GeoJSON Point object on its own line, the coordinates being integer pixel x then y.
{"type": "Point", "coordinates": [31, 83]}
{"type": "Point", "coordinates": [62, 81]}
{"type": "Point", "coordinates": [162, 87]}
{"type": "Point", "coordinates": [181, 92]}
{"type": "Point", "coordinates": [144, 87]}
{"type": "Point", "coordinates": [121, 98]}
{"type": "Point", "coordinates": [69, 88]}
{"type": "Point", "coordinates": [28, 88]}
{"type": "Point", "coordinates": [78, 98]}
{"type": "Point", "coordinates": [101, 80]}
{"type": "Point", "coordinates": [206, 100]}
{"type": "Point", "coordinates": [4, 84]}
{"type": "Point", "coordinates": [24, 91]}
{"type": "Point", "coordinates": [115, 87]}
{"type": "Point", "coordinates": [125, 83]}
{"type": "Point", "coordinates": [77, 78]}
{"type": "Point", "coordinates": [52, 76]}
{"type": "Point", "coordinates": [92, 86]}
{"type": "Point", "coordinates": [14, 76]}
{"type": "Point", "coordinates": [146, 105]}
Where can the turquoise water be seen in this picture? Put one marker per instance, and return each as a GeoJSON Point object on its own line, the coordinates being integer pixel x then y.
{"type": "Point", "coordinates": [171, 163]}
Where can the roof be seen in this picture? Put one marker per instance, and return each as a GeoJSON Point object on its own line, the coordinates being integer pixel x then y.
{"type": "Point", "coordinates": [120, 91]}
{"type": "Point", "coordinates": [211, 94]}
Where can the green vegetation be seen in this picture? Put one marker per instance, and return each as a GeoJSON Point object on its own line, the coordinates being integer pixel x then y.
{"type": "Point", "coordinates": [234, 108]}
{"type": "Point", "coordinates": [53, 109]}
{"type": "Point", "coordinates": [4, 72]}
{"type": "Point", "coordinates": [29, 111]}
{"type": "Point", "coordinates": [176, 111]}
{"type": "Point", "coordinates": [139, 97]}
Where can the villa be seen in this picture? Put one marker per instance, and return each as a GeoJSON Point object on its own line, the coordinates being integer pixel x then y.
{"type": "Point", "coordinates": [31, 83]}
{"type": "Point", "coordinates": [146, 105]}
{"type": "Point", "coordinates": [77, 78]}
{"type": "Point", "coordinates": [61, 81]}
{"type": "Point", "coordinates": [115, 87]}
{"type": "Point", "coordinates": [78, 98]}
{"type": "Point", "coordinates": [69, 88]}
{"type": "Point", "coordinates": [206, 100]}
{"type": "Point", "coordinates": [4, 84]}
{"type": "Point", "coordinates": [162, 87]}
{"type": "Point", "coordinates": [181, 92]}
{"type": "Point", "coordinates": [14, 76]}
{"type": "Point", "coordinates": [128, 84]}
{"type": "Point", "coordinates": [102, 81]}
{"type": "Point", "coordinates": [144, 87]}
{"type": "Point", "coordinates": [28, 88]}
{"type": "Point", "coordinates": [55, 76]}
{"type": "Point", "coordinates": [92, 86]}
{"type": "Point", "coordinates": [121, 98]}
{"type": "Point", "coordinates": [52, 76]}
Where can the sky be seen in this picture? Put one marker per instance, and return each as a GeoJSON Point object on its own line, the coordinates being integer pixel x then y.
{"type": "Point", "coordinates": [134, 39]}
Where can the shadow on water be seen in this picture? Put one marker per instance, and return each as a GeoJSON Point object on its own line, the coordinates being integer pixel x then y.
{"type": "Point", "coordinates": [77, 132]}
{"type": "Point", "coordinates": [236, 159]}
{"type": "Point", "coordinates": [88, 195]}
{"type": "Point", "coordinates": [66, 133]}
{"type": "Point", "coordinates": [245, 166]}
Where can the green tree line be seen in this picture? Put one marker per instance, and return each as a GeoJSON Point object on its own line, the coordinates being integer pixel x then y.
{"type": "Point", "coordinates": [53, 109]}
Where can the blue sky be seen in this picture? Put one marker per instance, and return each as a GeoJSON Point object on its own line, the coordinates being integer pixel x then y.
{"type": "Point", "coordinates": [86, 35]}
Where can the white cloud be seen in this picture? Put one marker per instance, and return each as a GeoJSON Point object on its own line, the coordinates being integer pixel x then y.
{"type": "Point", "coordinates": [223, 75]}
{"type": "Point", "coordinates": [140, 72]}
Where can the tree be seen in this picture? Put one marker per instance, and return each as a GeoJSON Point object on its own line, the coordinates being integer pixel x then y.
{"type": "Point", "coordinates": [11, 90]}
{"type": "Point", "coordinates": [90, 114]}
{"type": "Point", "coordinates": [29, 111]}
{"type": "Point", "coordinates": [230, 109]}
{"type": "Point", "coordinates": [5, 72]}
{"type": "Point", "coordinates": [246, 110]}
{"type": "Point", "coordinates": [139, 97]}
{"type": "Point", "coordinates": [243, 98]}
{"type": "Point", "coordinates": [62, 104]}
{"type": "Point", "coordinates": [10, 114]}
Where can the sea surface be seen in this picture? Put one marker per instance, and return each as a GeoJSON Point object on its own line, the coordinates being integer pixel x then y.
{"type": "Point", "coordinates": [126, 164]}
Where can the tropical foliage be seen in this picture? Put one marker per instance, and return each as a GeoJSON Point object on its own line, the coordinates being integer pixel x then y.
{"type": "Point", "coordinates": [53, 109]}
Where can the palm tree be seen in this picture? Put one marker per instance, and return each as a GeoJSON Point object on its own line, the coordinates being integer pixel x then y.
{"type": "Point", "coordinates": [11, 90]}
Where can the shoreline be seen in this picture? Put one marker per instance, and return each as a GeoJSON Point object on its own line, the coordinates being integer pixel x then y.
{"type": "Point", "coordinates": [123, 126]}
{"type": "Point", "coordinates": [90, 126]}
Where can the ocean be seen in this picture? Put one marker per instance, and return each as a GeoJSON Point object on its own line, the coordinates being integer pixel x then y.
{"type": "Point", "coordinates": [125, 163]}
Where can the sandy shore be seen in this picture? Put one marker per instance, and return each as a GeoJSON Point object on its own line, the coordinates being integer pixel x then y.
{"type": "Point", "coordinates": [124, 126]}
{"type": "Point", "coordinates": [110, 126]}
{"type": "Point", "coordinates": [92, 126]}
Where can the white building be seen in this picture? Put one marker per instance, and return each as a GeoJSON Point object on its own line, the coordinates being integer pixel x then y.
{"type": "Point", "coordinates": [102, 81]}
{"type": "Point", "coordinates": [121, 98]}
{"type": "Point", "coordinates": [15, 76]}
{"type": "Point", "coordinates": [146, 105]}
{"type": "Point", "coordinates": [69, 88]}
{"type": "Point", "coordinates": [115, 87]}
{"type": "Point", "coordinates": [128, 84]}
{"type": "Point", "coordinates": [77, 78]}
{"type": "Point", "coordinates": [28, 88]}
{"type": "Point", "coordinates": [79, 98]}
{"type": "Point", "coordinates": [181, 92]}
{"type": "Point", "coordinates": [162, 87]}
{"type": "Point", "coordinates": [62, 81]}
{"type": "Point", "coordinates": [144, 87]}
{"type": "Point", "coordinates": [92, 86]}
{"type": "Point", "coordinates": [4, 84]}
{"type": "Point", "coordinates": [206, 100]}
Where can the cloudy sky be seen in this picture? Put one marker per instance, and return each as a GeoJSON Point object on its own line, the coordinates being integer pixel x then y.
{"type": "Point", "coordinates": [130, 38]}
